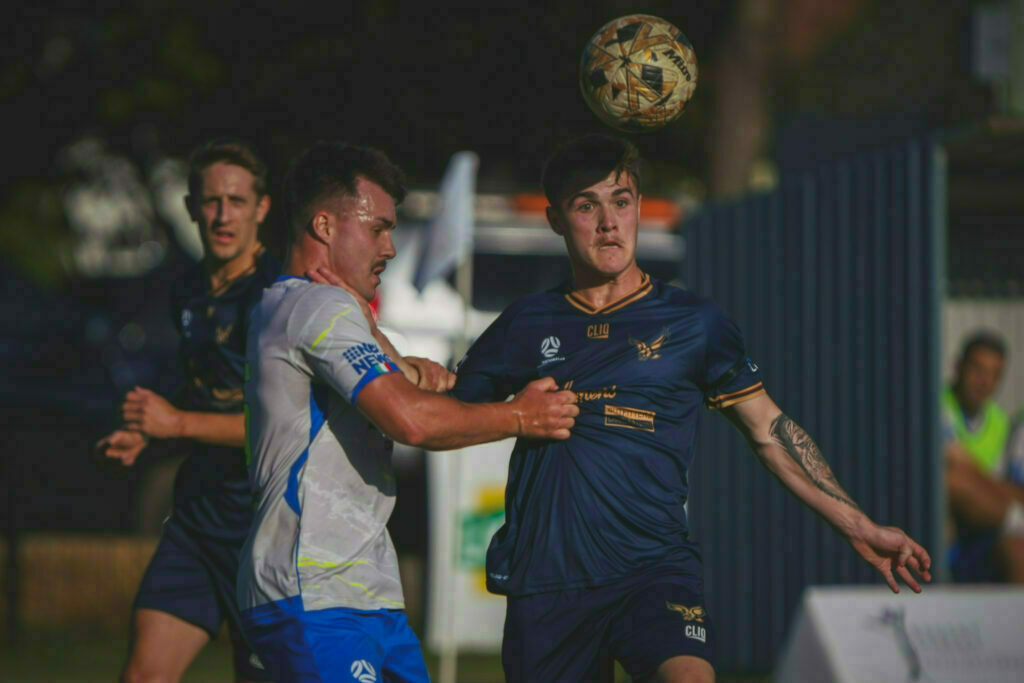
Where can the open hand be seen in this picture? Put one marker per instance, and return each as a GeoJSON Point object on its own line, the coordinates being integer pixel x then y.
{"type": "Point", "coordinates": [122, 444]}
{"type": "Point", "coordinates": [543, 411]}
{"type": "Point", "coordinates": [887, 548]}
{"type": "Point", "coordinates": [149, 413]}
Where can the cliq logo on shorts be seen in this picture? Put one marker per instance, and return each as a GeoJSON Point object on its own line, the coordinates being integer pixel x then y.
{"type": "Point", "coordinates": [691, 614]}
{"type": "Point", "coordinates": [363, 671]}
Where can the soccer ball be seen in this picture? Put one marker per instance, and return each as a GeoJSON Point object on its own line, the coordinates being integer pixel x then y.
{"type": "Point", "coordinates": [638, 72]}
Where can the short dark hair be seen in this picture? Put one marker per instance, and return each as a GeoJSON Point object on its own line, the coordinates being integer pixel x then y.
{"type": "Point", "coordinates": [585, 161]}
{"type": "Point", "coordinates": [329, 168]}
{"type": "Point", "coordinates": [230, 151]}
{"type": "Point", "coordinates": [983, 339]}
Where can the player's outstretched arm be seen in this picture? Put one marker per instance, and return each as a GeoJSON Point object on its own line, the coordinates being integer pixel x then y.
{"type": "Point", "coordinates": [789, 453]}
{"type": "Point", "coordinates": [437, 422]}
{"type": "Point", "coordinates": [153, 416]}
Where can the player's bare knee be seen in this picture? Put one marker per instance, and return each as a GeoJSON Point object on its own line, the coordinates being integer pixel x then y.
{"type": "Point", "coordinates": [685, 669]}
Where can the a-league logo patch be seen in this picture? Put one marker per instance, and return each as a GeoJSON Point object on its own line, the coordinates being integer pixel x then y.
{"type": "Point", "coordinates": [549, 347]}
{"type": "Point", "coordinates": [363, 671]}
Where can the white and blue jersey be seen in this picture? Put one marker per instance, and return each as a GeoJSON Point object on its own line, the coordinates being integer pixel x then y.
{"type": "Point", "coordinates": [320, 471]}
{"type": "Point", "coordinates": [608, 502]}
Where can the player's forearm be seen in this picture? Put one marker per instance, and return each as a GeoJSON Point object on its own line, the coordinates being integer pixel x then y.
{"type": "Point", "coordinates": [438, 423]}
{"type": "Point", "coordinates": [219, 429]}
{"type": "Point", "coordinates": [795, 459]}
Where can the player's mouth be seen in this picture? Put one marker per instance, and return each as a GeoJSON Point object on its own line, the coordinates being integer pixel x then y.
{"type": "Point", "coordinates": [376, 271]}
{"type": "Point", "coordinates": [609, 244]}
{"type": "Point", "coordinates": [222, 236]}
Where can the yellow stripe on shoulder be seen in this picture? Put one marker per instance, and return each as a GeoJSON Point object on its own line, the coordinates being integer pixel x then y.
{"type": "Point", "coordinates": [330, 327]}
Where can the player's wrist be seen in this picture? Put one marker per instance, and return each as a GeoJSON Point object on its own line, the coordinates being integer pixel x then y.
{"type": "Point", "coordinates": [855, 525]}
{"type": "Point", "coordinates": [181, 425]}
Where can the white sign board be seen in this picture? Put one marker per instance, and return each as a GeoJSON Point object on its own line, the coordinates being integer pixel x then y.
{"type": "Point", "coordinates": [946, 634]}
{"type": "Point", "coordinates": [466, 493]}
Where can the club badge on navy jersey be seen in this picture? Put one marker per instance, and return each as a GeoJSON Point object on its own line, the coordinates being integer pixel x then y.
{"type": "Point", "coordinates": [649, 350]}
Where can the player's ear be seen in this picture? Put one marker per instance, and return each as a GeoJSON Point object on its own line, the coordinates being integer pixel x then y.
{"type": "Point", "coordinates": [262, 207]}
{"type": "Point", "coordinates": [555, 220]}
{"type": "Point", "coordinates": [321, 227]}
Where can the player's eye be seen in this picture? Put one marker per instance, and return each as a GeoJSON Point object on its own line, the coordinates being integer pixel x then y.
{"type": "Point", "coordinates": [585, 206]}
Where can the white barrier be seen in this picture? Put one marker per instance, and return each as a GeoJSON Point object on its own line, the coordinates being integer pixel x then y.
{"type": "Point", "coordinates": [466, 504]}
{"type": "Point", "coordinates": [867, 634]}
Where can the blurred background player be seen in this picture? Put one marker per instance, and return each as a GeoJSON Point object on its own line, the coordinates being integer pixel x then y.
{"type": "Point", "coordinates": [319, 585]}
{"type": "Point", "coordinates": [983, 473]}
{"type": "Point", "coordinates": [188, 589]}
{"type": "Point", "coordinates": [595, 555]}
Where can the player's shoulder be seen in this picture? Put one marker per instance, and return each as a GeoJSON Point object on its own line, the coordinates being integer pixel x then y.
{"type": "Point", "coordinates": [679, 297]}
{"type": "Point", "coordinates": [538, 302]}
{"type": "Point", "coordinates": [306, 297]}
{"type": "Point", "coordinates": [316, 303]}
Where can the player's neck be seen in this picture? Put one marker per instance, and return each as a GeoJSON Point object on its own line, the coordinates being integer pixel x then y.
{"type": "Point", "coordinates": [219, 273]}
{"type": "Point", "coordinates": [599, 290]}
{"type": "Point", "coordinates": [302, 259]}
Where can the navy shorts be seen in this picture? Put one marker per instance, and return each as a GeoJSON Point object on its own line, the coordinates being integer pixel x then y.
{"type": "Point", "coordinates": [577, 635]}
{"type": "Point", "coordinates": [193, 578]}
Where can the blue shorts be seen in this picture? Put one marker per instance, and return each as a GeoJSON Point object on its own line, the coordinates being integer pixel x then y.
{"type": "Point", "coordinates": [577, 635]}
{"type": "Point", "coordinates": [193, 578]}
{"type": "Point", "coordinates": [336, 644]}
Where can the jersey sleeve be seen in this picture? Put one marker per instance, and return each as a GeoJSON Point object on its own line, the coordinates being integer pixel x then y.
{"type": "Point", "coordinates": [336, 343]}
{"type": "Point", "coordinates": [481, 374]}
{"type": "Point", "coordinates": [729, 375]}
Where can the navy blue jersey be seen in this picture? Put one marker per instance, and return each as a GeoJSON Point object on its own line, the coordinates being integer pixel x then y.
{"type": "Point", "coordinates": [211, 492]}
{"type": "Point", "coordinates": [608, 501]}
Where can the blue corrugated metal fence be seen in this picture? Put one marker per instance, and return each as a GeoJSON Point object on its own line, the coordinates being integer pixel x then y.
{"type": "Point", "coordinates": [834, 280]}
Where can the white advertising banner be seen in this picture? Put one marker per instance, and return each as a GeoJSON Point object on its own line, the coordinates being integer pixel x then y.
{"type": "Point", "coordinates": [946, 634]}
{"type": "Point", "coordinates": [466, 493]}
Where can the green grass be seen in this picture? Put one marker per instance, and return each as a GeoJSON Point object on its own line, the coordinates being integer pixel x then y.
{"type": "Point", "coordinates": [82, 658]}
{"type": "Point", "coordinates": [59, 658]}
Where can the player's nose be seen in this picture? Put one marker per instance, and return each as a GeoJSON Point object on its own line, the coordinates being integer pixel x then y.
{"type": "Point", "coordinates": [388, 248]}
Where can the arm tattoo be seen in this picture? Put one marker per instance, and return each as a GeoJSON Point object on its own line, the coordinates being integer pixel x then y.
{"type": "Point", "coordinates": [801, 447]}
